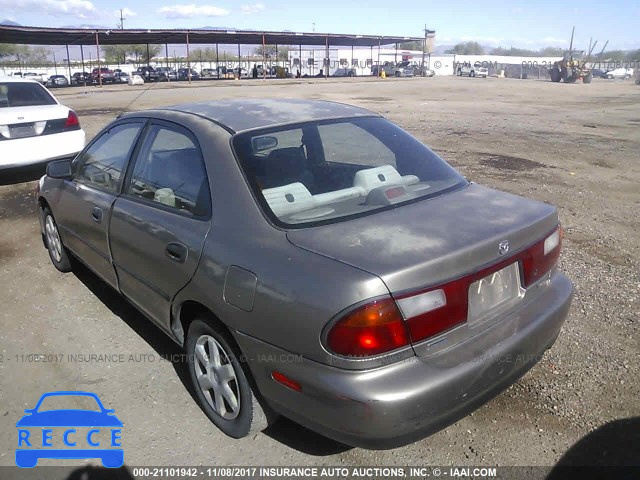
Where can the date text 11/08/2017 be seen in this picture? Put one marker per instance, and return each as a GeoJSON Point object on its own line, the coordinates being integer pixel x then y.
{"type": "Point", "coordinates": [315, 472]}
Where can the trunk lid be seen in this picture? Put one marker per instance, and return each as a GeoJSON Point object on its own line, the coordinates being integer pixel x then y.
{"type": "Point", "coordinates": [435, 240]}
{"type": "Point", "coordinates": [35, 113]}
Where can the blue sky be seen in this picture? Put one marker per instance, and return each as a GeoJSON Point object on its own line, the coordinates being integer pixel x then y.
{"type": "Point", "coordinates": [526, 24]}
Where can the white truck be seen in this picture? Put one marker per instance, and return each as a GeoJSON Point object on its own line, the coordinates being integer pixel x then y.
{"type": "Point", "coordinates": [477, 70]}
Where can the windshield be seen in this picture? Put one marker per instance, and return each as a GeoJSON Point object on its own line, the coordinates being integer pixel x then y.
{"type": "Point", "coordinates": [327, 170]}
{"type": "Point", "coordinates": [24, 94]}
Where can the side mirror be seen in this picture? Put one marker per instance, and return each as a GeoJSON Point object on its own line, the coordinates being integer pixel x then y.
{"type": "Point", "coordinates": [59, 169]}
{"type": "Point", "coordinates": [263, 143]}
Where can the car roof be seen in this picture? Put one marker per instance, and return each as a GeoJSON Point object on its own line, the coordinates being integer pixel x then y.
{"type": "Point", "coordinates": [252, 113]}
{"type": "Point", "coordinates": [16, 80]}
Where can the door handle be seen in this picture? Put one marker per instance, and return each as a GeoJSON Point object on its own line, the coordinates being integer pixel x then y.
{"type": "Point", "coordinates": [177, 252]}
{"type": "Point", "coordinates": [96, 214]}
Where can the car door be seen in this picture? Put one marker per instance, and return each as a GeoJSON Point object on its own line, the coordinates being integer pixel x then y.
{"type": "Point", "coordinates": [160, 222]}
{"type": "Point", "coordinates": [86, 199]}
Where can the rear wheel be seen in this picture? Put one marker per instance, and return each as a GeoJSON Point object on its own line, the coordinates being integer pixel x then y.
{"type": "Point", "coordinates": [587, 78]}
{"type": "Point", "coordinates": [555, 74]}
{"type": "Point", "coordinates": [472, 74]}
{"type": "Point", "coordinates": [221, 381]}
{"type": "Point", "coordinates": [57, 251]}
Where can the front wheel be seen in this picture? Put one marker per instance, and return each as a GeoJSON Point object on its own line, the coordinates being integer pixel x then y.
{"type": "Point", "coordinates": [57, 251]}
{"type": "Point", "coordinates": [220, 380]}
{"type": "Point", "coordinates": [472, 74]}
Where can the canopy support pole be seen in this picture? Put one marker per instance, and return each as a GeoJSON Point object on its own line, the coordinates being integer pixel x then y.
{"type": "Point", "coordinates": [84, 78]}
{"type": "Point", "coordinates": [188, 61]}
{"type": "Point", "coordinates": [98, 55]}
{"type": "Point", "coordinates": [68, 63]}
{"type": "Point", "coordinates": [326, 62]}
{"type": "Point", "coordinates": [264, 61]}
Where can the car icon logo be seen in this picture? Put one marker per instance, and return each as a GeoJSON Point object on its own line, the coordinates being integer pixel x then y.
{"type": "Point", "coordinates": [48, 431]}
{"type": "Point", "coordinates": [503, 247]}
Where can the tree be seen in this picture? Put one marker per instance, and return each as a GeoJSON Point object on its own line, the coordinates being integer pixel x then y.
{"type": "Point", "coordinates": [523, 52]}
{"type": "Point", "coordinates": [7, 50]}
{"type": "Point", "coordinates": [467, 48]}
{"type": "Point", "coordinates": [283, 53]}
{"type": "Point", "coordinates": [415, 45]}
{"type": "Point", "coordinates": [268, 50]}
{"type": "Point", "coordinates": [551, 52]}
{"type": "Point", "coordinates": [207, 54]}
{"type": "Point", "coordinates": [115, 53]}
{"type": "Point", "coordinates": [24, 54]}
{"type": "Point", "coordinates": [120, 53]}
{"type": "Point", "coordinates": [139, 52]}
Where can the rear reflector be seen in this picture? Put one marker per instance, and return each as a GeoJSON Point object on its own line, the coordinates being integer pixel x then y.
{"type": "Point", "coordinates": [286, 381]}
{"type": "Point", "coordinates": [538, 260]}
{"type": "Point", "coordinates": [443, 314]}
{"type": "Point", "coordinates": [371, 329]}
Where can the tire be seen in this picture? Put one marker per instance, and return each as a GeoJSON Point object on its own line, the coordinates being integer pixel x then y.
{"type": "Point", "coordinates": [555, 74]}
{"type": "Point", "coordinates": [610, 77]}
{"type": "Point", "coordinates": [587, 78]}
{"type": "Point", "coordinates": [472, 73]}
{"type": "Point", "coordinates": [459, 73]}
{"type": "Point", "coordinates": [57, 251]}
{"type": "Point", "coordinates": [238, 412]}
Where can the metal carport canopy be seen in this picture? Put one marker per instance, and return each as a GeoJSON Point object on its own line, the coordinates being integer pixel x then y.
{"type": "Point", "coordinates": [78, 36]}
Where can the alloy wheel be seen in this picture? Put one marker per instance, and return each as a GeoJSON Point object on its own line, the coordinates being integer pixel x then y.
{"type": "Point", "coordinates": [216, 377]}
{"type": "Point", "coordinates": [53, 238]}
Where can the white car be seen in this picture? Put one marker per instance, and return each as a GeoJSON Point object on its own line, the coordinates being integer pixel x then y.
{"type": "Point", "coordinates": [472, 70]}
{"type": "Point", "coordinates": [618, 73]}
{"type": "Point", "coordinates": [34, 127]}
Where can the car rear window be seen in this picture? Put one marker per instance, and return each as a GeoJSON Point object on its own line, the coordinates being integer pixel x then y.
{"type": "Point", "coordinates": [69, 402]}
{"type": "Point", "coordinates": [24, 94]}
{"type": "Point", "coordinates": [326, 171]}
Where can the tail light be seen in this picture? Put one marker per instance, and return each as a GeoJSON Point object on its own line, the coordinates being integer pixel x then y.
{"type": "Point", "coordinates": [371, 329]}
{"type": "Point", "coordinates": [72, 120]}
{"type": "Point", "coordinates": [384, 325]}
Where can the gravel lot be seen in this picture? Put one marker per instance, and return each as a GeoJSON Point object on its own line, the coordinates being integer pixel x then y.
{"type": "Point", "coordinates": [575, 146]}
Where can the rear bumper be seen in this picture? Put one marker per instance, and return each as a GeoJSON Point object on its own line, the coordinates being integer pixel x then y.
{"type": "Point", "coordinates": [401, 403]}
{"type": "Point", "coordinates": [23, 152]}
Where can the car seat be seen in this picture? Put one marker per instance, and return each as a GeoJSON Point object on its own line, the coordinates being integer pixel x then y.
{"type": "Point", "coordinates": [285, 166]}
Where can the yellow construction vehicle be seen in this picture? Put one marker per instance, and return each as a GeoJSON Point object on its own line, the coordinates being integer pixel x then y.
{"type": "Point", "coordinates": [573, 66]}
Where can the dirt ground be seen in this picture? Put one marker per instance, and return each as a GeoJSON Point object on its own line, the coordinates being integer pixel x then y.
{"type": "Point", "coordinates": [575, 146]}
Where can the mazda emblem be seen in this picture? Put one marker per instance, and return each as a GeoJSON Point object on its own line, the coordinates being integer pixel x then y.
{"type": "Point", "coordinates": [503, 247]}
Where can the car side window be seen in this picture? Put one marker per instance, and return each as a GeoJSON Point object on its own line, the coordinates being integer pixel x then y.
{"type": "Point", "coordinates": [104, 162]}
{"type": "Point", "coordinates": [170, 171]}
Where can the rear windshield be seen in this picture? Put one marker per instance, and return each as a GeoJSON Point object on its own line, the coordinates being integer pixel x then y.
{"type": "Point", "coordinates": [24, 94]}
{"type": "Point", "coordinates": [324, 171]}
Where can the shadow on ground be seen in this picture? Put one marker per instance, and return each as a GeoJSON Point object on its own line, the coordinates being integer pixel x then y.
{"type": "Point", "coordinates": [283, 430]}
{"type": "Point", "coordinates": [21, 175]}
{"type": "Point", "coordinates": [611, 451]}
